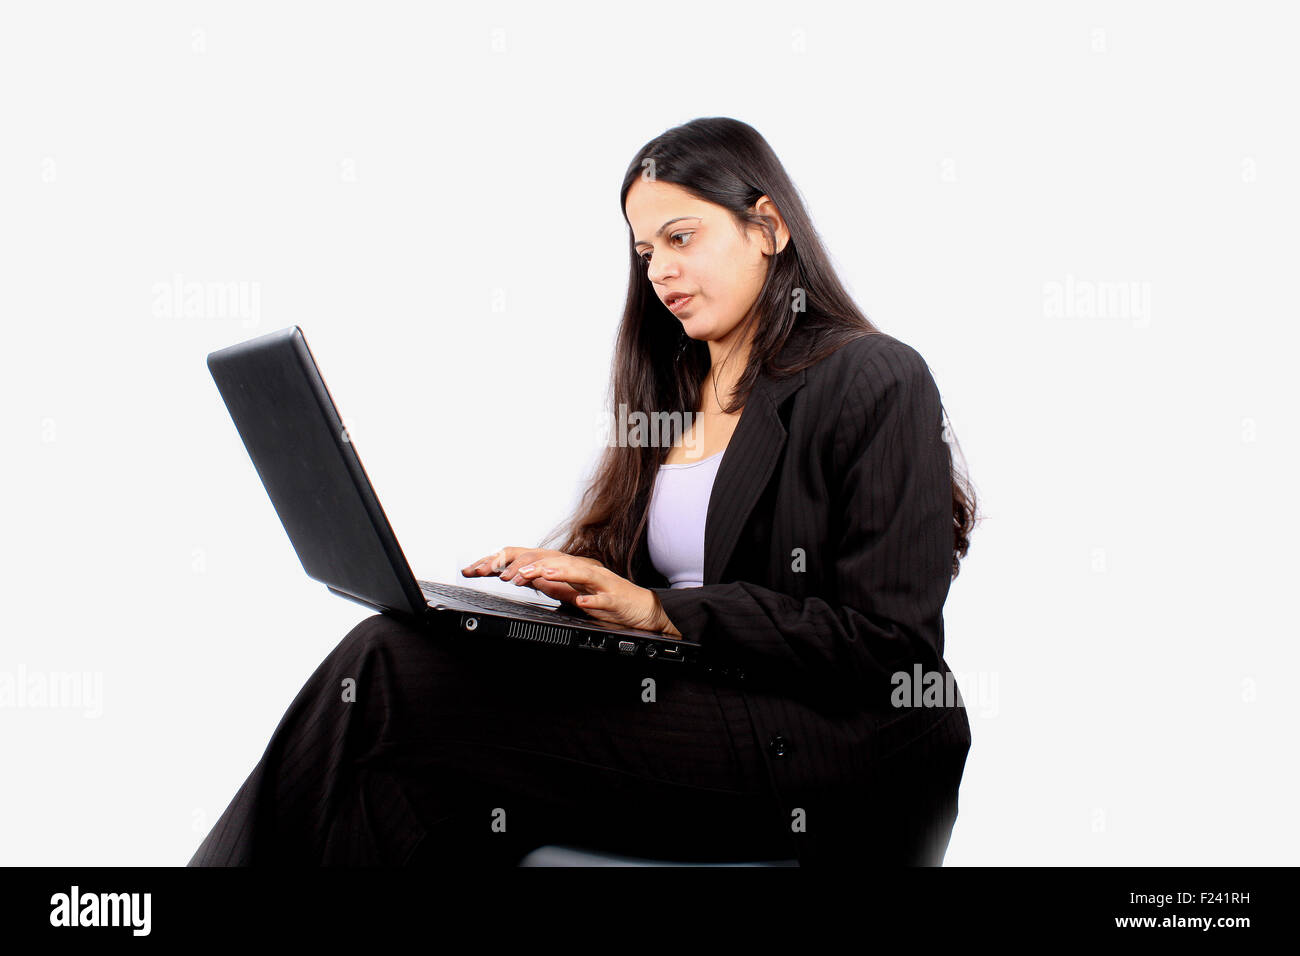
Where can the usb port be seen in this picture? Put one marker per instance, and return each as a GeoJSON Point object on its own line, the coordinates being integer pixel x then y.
{"type": "Point", "coordinates": [671, 651]}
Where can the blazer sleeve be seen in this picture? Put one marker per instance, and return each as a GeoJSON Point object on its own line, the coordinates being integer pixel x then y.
{"type": "Point", "coordinates": [892, 563]}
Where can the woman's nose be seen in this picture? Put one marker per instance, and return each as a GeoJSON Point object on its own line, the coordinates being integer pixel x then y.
{"type": "Point", "coordinates": [660, 271]}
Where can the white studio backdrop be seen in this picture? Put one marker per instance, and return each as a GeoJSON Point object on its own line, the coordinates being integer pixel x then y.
{"type": "Point", "coordinates": [1082, 216]}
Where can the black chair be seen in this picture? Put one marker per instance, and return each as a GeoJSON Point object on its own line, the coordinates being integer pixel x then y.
{"type": "Point", "coordinates": [585, 856]}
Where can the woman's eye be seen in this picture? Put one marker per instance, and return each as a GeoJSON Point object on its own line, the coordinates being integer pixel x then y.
{"type": "Point", "coordinates": [645, 256]}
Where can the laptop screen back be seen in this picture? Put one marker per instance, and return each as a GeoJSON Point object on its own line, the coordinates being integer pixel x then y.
{"type": "Point", "coordinates": [295, 436]}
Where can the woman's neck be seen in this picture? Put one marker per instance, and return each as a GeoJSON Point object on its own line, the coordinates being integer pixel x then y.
{"type": "Point", "coordinates": [720, 382]}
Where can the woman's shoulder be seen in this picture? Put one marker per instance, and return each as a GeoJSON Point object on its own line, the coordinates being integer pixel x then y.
{"type": "Point", "coordinates": [870, 381]}
{"type": "Point", "coordinates": [872, 361]}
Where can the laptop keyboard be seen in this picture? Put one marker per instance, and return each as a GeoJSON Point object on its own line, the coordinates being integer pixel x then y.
{"type": "Point", "coordinates": [481, 598]}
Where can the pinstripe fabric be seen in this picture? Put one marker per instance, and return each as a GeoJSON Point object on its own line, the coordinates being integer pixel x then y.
{"type": "Point", "coordinates": [827, 554]}
{"type": "Point", "coordinates": [828, 548]}
{"type": "Point", "coordinates": [444, 732]}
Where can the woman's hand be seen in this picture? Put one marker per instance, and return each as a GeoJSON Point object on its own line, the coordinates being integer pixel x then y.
{"type": "Point", "coordinates": [600, 592]}
{"type": "Point", "coordinates": [508, 561]}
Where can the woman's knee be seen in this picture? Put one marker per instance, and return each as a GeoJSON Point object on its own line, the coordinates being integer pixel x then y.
{"type": "Point", "coordinates": [381, 633]}
{"type": "Point", "coordinates": [379, 629]}
{"type": "Point", "coordinates": [374, 654]}
{"type": "Point", "coordinates": [401, 667]}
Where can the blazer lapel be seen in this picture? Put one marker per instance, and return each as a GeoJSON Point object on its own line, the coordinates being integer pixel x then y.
{"type": "Point", "coordinates": [746, 468]}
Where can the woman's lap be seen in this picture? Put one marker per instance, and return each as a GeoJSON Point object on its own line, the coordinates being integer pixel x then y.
{"type": "Point", "coordinates": [408, 745]}
{"type": "Point", "coordinates": [441, 691]}
{"type": "Point", "coordinates": [535, 737]}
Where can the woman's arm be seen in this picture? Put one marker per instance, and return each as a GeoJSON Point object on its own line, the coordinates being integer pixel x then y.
{"type": "Point", "coordinates": [893, 562]}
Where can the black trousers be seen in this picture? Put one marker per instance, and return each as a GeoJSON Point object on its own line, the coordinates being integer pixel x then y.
{"type": "Point", "coordinates": [410, 747]}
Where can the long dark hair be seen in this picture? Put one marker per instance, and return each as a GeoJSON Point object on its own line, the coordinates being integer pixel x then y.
{"type": "Point", "coordinates": [725, 162]}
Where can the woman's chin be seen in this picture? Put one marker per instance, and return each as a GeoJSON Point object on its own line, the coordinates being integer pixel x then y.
{"type": "Point", "coordinates": [695, 328]}
{"type": "Point", "coordinates": [702, 333]}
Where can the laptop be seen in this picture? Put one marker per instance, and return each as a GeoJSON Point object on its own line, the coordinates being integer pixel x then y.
{"type": "Point", "coordinates": [309, 465]}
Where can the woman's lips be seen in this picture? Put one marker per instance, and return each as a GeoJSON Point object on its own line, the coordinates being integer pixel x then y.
{"type": "Point", "coordinates": [680, 304]}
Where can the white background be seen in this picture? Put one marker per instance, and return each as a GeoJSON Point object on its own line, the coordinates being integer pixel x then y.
{"type": "Point", "coordinates": [431, 192]}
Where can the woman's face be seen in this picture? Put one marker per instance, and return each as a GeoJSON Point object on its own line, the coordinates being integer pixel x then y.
{"type": "Point", "coordinates": [692, 246]}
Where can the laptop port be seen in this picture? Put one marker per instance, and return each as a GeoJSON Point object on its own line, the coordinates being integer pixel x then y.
{"type": "Point", "coordinates": [627, 647]}
{"type": "Point", "coordinates": [671, 652]}
{"type": "Point", "coordinates": [651, 650]}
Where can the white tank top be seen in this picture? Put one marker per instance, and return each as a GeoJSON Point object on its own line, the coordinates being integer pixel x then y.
{"type": "Point", "coordinates": [679, 505]}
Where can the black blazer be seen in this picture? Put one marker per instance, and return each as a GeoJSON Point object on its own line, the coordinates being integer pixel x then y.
{"type": "Point", "coordinates": [827, 561]}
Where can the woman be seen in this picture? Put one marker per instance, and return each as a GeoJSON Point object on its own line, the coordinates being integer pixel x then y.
{"type": "Point", "coordinates": [835, 523]}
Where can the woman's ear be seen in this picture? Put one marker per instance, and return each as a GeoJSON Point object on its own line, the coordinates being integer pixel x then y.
{"type": "Point", "coordinates": [767, 209]}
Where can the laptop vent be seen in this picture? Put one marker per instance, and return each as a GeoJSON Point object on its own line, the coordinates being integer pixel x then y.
{"type": "Point", "coordinates": [524, 630]}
